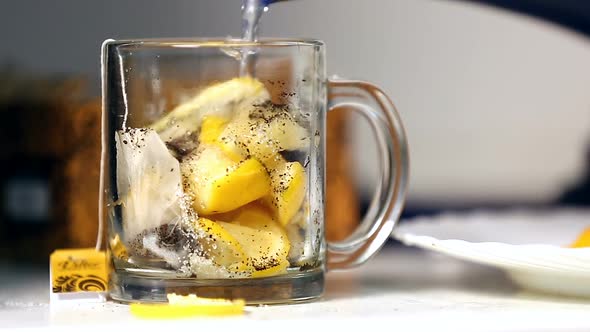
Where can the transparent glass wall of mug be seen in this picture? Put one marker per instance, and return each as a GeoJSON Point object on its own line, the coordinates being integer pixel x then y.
{"type": "Point", "coordinates": [208, 175]}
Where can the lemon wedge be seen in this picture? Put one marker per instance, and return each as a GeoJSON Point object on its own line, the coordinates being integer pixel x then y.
{"type": "Point", "coordinates": [211, 129]}
{"type": "Point", "coordinates": [216, 183]}
{"type": "Point", "coordinates": [222, 247]}
{"type": "Point", "coordinates": [263, 137]}
{"type": "Point", "coordinates": [288, 182]}
{"type": "Point", "coordinates": [263, 240]}
{"type": "Point", "coordinates": [218, 99]}
{"type": "Point", "coordinates": [280, 268]}
{"type": "Point", "coordinates": [188, 306]}
{"type": "Point", "coordinates": [242, 138]}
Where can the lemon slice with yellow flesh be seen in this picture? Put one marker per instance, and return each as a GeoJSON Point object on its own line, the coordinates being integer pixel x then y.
{"type": "Point", "coordinates": [211, 129]}
{"type": "Point", "coordinates": [221, 247]}
{"type": "Point", "coordinates": [263, 240]}
{"type": "Point", "coordinates": [288, 183]}
{"type": "Point", "coordinates": [243, 138]}
{"type": "Point", "coordinates": [218, 184]}
{"type": "Point", "coordinates": [188, 306]}
{"type": "Point", "coordinates": [211, 133]}
{"type": "Point", "coordinates": [218, 99]}
{"type": "Point", "coordinates": [263, 137]}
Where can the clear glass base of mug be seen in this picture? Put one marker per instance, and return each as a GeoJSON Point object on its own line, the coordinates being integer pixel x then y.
{"type": "Point", "coordinates": [289, 288]}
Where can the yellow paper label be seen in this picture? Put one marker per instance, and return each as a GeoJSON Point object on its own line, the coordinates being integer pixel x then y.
{"type": "Point", "coordinates": [78, 270]}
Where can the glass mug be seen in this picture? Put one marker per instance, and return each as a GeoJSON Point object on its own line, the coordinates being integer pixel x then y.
{"type": "Point", "coordinates": [213, 184]}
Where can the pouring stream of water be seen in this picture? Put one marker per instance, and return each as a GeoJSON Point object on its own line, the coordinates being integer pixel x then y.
{"type": "Point", "coordinates": [252, 11]}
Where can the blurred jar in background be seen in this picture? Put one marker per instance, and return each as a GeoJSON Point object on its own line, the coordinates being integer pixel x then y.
{"type": "Point", "coordinates": [50, 143]}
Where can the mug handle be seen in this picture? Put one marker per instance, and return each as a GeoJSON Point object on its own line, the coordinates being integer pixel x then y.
{"type": "Point", "coordinates": [389, 196]}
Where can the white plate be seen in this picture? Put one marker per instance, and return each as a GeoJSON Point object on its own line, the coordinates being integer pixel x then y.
{"type": "Point", "coordinates": [531, 246]}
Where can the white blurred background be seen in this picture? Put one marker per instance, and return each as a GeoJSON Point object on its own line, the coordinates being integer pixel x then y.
{"type": "Point", "coordinates": [495, 104]}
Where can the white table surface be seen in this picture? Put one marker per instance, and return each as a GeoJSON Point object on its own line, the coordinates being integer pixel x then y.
{"type": "Point", "coordinates": [406, 289]}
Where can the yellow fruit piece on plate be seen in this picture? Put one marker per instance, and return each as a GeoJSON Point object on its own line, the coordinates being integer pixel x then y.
{"type": "Point", "coordinates": [288, 181]}
{"type": "Point", "coordinates": [583, 240]}
{"type": "Point", "coordinates": [211, 129]}
{"type": "Point", "coordinates": [188, 306]}
{"type": "Point", "coordinates": [221, 247]}
{"type": "Point", "coordinates": [217, 184]}
{"type": "Point", "coordinates": [263, 240]}
{"type": "Point", "coordinates": [218, 99]}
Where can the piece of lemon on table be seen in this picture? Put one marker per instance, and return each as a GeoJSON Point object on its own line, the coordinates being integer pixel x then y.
{"type": "Point", "coordinates": [583, 240]}
{"type": "Point", "coordinates": [263, 240]}
{"type": "Point", "coordinates": [216, 183]}
{"type": "Point", "coordinates": [218, 99]}
{"type": "Point", "coordinates": [179, 306]}
{"type": "Point", "coordinates": [288, 190]}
